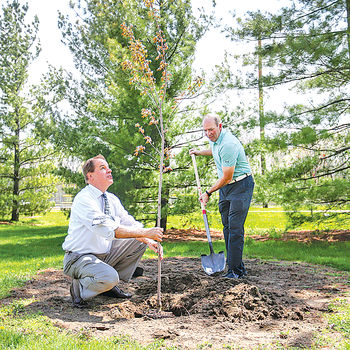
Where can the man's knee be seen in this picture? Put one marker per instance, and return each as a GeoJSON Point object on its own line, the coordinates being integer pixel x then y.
{"type": "Point", "coordinates": [109, 277]}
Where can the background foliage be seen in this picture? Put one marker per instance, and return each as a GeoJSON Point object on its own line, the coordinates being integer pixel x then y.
{"type": "Point", "coordinates": [26, 160]}
{"type": "Point", "coordinates": [299, 154]}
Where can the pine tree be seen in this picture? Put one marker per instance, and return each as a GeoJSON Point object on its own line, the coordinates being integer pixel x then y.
{"type": "Point", "coordinates": [26, 161]}
{"type": "Point", "coordinates": [307, 46]}
{"type": "Point", "coordinates": [107, 107]}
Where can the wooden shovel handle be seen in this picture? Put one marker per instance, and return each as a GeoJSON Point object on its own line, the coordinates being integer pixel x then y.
{"type": "Point", "coordinates": [197, 179]}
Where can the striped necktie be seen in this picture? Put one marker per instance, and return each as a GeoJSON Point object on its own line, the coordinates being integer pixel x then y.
{"type": "Point", "coordinates": [106, 209]}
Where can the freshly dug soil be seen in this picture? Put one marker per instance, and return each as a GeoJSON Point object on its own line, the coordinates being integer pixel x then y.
{"type": "Point", "coordinates": [278, 302]}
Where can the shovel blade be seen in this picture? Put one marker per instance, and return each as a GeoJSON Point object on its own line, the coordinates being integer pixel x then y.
{"type": "Point", "coordinates": [213, 263]}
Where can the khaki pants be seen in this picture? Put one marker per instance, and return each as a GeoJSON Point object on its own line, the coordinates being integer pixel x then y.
{"type": "Point", "coordinates": [98, 273]}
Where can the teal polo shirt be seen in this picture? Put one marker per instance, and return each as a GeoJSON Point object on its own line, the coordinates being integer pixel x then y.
{"type": "Point", "coordinates": [228, 151]}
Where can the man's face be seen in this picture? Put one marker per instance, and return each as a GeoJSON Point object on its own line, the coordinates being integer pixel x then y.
{"type": "Point", "coordinates": [101, 177]}
{"type": "Point", "coordinates": [212, 131]}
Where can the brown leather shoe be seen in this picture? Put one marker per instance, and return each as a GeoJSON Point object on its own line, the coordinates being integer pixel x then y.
{"type": "Point", "coordinates": [116, 292]}
{"type": "Point", "coordinates": [75, 293]}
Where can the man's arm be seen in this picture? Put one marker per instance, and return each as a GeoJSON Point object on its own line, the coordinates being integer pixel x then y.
{"type": "Point", "coordinates": [155, 233]}
{"type": "Point", "coordinates": [203, 152]}
{"type": "Point", "coordinates": [224, 180]}
{"type": "Point", "coordinates": [148, 236]}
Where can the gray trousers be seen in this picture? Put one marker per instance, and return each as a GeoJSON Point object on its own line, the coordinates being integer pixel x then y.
{"type": "Point", "coordinates": [98, 273]}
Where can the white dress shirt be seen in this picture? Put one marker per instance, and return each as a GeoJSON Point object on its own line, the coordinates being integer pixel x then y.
{"type": "Point", "coordinates": [90, 230]}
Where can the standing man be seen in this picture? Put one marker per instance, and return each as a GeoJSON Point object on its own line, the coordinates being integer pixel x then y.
{"type": "Point", "coordinates": [104, 243]}
{"type": "Point", "coordinates": [235, 185]}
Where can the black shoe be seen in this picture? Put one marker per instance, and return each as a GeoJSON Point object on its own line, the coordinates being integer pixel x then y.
{"type": "Point", "coordinates": [116, 292]}
{"type": "Point", "coordinates": [75, 293]}
{"type": "Point", "coordinates": [231, 274]}
{"type": "Point", "coordinates": [138, 272]}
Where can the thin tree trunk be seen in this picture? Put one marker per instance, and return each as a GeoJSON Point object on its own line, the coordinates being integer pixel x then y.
{"type": "Point", "coordinates": [15, 190]}
{"type": "Point", "coordinates": [159, 211]}
{"type": "Point", "coordinates": [164, 210]}
{"type": "Point", "coordinates": [348, 23]}
{"type": "Point", "coordinates": [261, 113]}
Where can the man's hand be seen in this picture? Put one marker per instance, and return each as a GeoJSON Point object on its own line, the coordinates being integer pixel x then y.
{"type": "Point", "coordinates": [204, 198]}
{"type": "Point", "coordinates": [154, 233]}
{"type": "Point", "coordinates": [153, 245]}
{"type": "Point", "coordinates": [193, 151]}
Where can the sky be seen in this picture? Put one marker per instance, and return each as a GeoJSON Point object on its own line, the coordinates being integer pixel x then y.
{"type": "Point", "coordinates": [210, 50]}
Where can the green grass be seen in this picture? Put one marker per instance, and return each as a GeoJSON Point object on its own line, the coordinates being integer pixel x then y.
{"type": "Point", "coordinates": [35, 244]}
{"type": "Point", "coordinates": [29, 246]}
{"type": "Point", "coordinates": [340, 316]}
{"type": "Point", "coordinates": [259, 221]}
{"type": "Point", "coordinates": [338, 319]}
{"type": "Point", "coordinates": [23, 331]}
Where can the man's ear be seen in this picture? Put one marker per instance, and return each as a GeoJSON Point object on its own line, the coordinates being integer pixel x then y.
{"type": "Point", "coordinates": [89, 176]}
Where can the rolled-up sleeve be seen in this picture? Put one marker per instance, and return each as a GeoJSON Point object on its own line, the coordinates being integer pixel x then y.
{"type": "Point", "coordinates": [92, 217]}
{"type": "Point", "coordinates": [123, 216]}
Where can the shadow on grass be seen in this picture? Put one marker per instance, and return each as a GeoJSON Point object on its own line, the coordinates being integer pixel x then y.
{"type": "Point", "coordinates": [335, 254]}
{"type": "Point", "coordinates": [22, 232]}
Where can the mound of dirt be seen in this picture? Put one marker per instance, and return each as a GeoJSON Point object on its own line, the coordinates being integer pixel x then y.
{"type": "Point", "coordinates": [278, 302]}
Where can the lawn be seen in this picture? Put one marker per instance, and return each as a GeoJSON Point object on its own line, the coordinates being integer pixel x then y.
{"type": "Point", "coordinates": [35, 244]}
{"type": "Point", "coordinates": [259, 221]}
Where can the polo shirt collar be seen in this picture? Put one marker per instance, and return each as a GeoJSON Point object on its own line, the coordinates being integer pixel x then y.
{"type": "Point", "coordinates": [221, 136]}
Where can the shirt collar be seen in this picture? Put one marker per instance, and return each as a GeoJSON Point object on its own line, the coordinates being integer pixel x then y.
{"type": "Point", "coordinates": [94, 191]}
{"type": "Point", "coordinates": [221, 136]}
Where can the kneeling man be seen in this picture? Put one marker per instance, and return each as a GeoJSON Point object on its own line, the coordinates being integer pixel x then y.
{"type": "Point", "coordinates": [104, 243]}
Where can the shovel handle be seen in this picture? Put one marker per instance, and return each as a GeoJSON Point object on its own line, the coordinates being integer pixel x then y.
{"type": "Point", "coordinates": [197, 179]}
{"type": "Point", "coordinates": [202, 204]}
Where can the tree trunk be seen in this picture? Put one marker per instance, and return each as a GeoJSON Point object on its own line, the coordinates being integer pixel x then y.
{"type": "Point", "coordinates": [164, 209]}
{"type": "Point", "coordinates": [165, 202]}
{"type": "Point", "coordinates": [15, 191]}
{"type": "Point", "coordinates": [348, 23]}
{"type": "Point", "coordinates": [261, 113]}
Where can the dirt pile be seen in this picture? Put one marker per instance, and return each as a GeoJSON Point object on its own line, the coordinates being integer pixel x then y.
{"type": "Point", "coordinates": [217, 298]}
{"type": "Point", "coordinates": [278, 302]}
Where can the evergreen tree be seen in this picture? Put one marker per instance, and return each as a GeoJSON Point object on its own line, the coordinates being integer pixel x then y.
{"type": "Point", "coordinates": [253, 30]}
{"type": "Point", "coordinates": [307, 46]}
{"type": "Point", "coordinates": [26, 161]}
{"type": "Point", "coordinates": [106, 107]}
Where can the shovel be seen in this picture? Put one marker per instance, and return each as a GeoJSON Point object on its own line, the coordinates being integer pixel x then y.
{"type": "Point", "coordinates": [214, 262]}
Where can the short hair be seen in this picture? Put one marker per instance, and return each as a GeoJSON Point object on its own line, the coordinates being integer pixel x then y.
{"type": "Point", "coordinates": [89, 166]}
{"type": "Point", "coordinates": [213, 117]}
